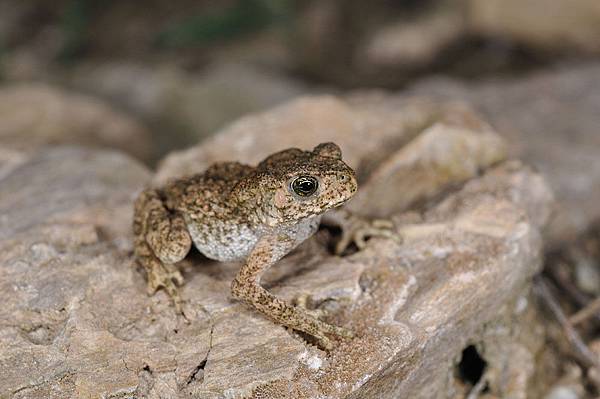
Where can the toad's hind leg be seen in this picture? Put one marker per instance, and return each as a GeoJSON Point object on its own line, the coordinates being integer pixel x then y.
{"type": "Point", "coordinates": [161, 239]}
{"type": "Point", "coordinates": [246, 287]}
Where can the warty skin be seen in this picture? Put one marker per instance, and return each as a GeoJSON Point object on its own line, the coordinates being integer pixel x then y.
{"type": "Point", "coordinates": [240, 212]}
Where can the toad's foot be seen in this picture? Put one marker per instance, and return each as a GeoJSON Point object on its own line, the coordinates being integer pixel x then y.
{"type": "Point", "coordinates": [337, 331]}
{"type": "Point", "coordinates": [166, 276]}
{"type": "Point", "coordinates": [356, 230]}
{"type": "Point", "coordinates": [326, 330]}
{"type": "Point", "coordinates": [303, 301]}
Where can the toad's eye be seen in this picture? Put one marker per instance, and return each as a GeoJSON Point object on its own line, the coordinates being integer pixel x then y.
{"type": "Point", "coordinates": [304, 186]}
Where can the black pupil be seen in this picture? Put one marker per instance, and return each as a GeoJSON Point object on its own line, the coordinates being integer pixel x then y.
{"type": "Point", "coordinates": [304, 186]}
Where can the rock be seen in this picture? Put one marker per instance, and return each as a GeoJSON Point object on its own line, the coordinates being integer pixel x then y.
{"type": "Point", "coordinates": [185, 107]}
{"type": "Point", "coordinates": [405, 151]}
{"type": "Point", "coordinates": [411, 43]}
{"type": "Point", "coordinates": [570, 386]}
{"type": "Point", "coordinates": [224, 92]}
{"type": "Point", "coordinates": [582, 258]}
{"type": "Point", "coordinates": [76, 319]}
{"type": "Point", "coordinates": [553, 26]}
{"type": "Point", "coordinates": [180, 107]}
{"type": "Point", "coordinates": [563, 393]}
{"type": "Point", "coordinates": [417, 307]}
{"type": "Point", "coordinates": [10, 159]}
{"type": "Point", "coordinates": [587, 276]}
{"type": "Point", "coordinates": [443, 154]}
{"type": "Point", "coordinates": [37, 115]}
{"type": "Point", "coordinates": [550, 119]}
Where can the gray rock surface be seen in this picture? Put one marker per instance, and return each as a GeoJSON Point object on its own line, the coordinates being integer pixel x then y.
{"type": "Point", "coordinates": [35, 115]}
{"type": "Point", "coordinates": [551, 120]}
{"type": "Point", "coordinates": [198, 103]}
{"type": "Point", "coordinates": [76, 321]}
{"type": "Point", "coordinates": [181, 107]}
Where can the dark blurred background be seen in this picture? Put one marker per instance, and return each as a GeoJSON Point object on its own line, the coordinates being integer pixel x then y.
{"type": "Point", "coordinates": [170, 73]}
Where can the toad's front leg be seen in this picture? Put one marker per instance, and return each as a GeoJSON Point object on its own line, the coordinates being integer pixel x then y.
{"type": "Point", "coordinates": [246, 287]}
{"type": "Point", "coordinates": [356, 229]}
{"type": "Point", "coordinates": [161, 240]}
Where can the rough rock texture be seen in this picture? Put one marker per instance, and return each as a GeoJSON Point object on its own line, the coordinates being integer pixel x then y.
{"type": "Point", "coordinates": [551, 120]}
{"type": "Point", "coordinates": [76, 321]}
{"type": "Point", "coordinates": [36, 115]}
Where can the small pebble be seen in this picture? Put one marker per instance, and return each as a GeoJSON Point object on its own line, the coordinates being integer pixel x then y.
{"type": "Point", "coordinates": [562, 393]}
{"type": "Point", "coordinates": [587, 276]}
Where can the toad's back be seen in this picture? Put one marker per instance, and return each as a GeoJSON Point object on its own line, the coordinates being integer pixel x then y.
{"type": "Point", "coordinates": [217, 225]}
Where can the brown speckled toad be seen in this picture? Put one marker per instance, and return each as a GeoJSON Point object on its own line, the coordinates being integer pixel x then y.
{"type": "Point", "coordinates": [239, 212]}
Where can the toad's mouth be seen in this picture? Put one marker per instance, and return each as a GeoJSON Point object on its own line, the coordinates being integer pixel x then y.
{"type": "Point", "coordinates": [339, 203]}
